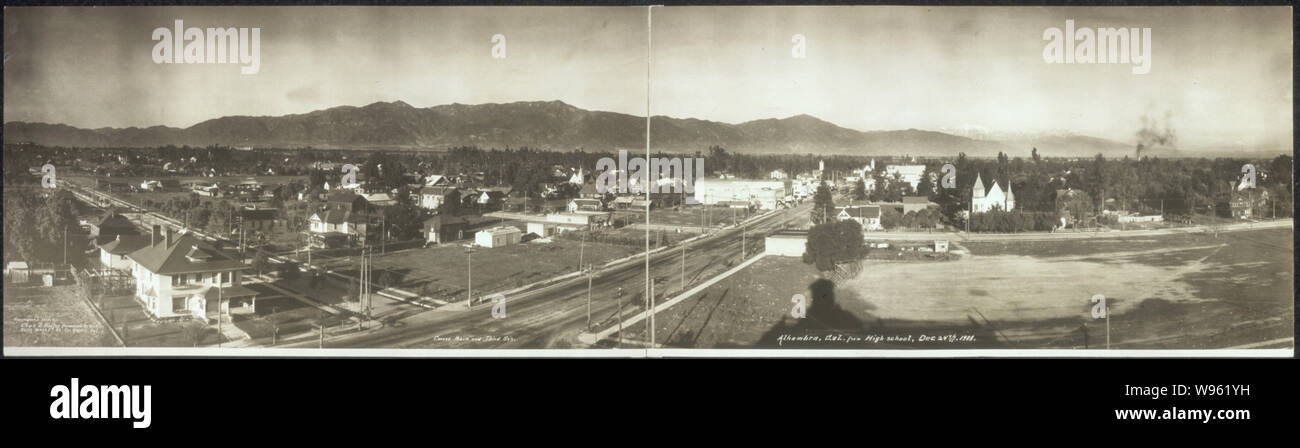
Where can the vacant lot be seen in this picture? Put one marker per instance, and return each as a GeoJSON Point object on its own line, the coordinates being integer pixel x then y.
{"type": "Point", "coordinates": [1179, 291]}
{"type": "Point", "coordinates": [51, 317]}
{"type": "Point", "coordinates": [692, 217]}
{"type": "Point", "coordinates": [441, 272]}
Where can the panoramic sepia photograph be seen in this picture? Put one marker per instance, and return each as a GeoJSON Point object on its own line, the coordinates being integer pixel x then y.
{"type": "Point", "coordinates": [722, 180]}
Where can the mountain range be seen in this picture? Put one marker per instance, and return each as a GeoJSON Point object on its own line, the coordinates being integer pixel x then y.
{"type": "Point", "coordinates": [552, 125]}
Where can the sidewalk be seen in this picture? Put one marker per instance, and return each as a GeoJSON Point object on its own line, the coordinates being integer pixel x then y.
{"type": "Point", "coordinates": [231, 332]}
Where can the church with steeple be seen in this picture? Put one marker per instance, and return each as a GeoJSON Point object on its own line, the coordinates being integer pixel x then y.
{"type": "Point", "coordinates": [993, 198]}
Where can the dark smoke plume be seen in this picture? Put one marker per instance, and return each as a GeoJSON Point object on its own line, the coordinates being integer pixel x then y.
{"type": "Point", "coordinates": [1153, 136]}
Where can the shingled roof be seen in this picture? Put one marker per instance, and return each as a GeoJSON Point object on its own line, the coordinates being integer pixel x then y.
{"type": "Point", "coordinates": [117, 222]}
{"type": "Point", "coordinates": [185, 254]}
{"type": "Point", "coordinates": [123, 245]}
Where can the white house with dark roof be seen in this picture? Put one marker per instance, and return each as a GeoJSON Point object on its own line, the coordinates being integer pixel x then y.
{"type": "Point", "coordinates": [866, 215]}
{"type": "Point", "coordinates": [114, 253]}
{"type": "Point", "coordinates": [177, 273]}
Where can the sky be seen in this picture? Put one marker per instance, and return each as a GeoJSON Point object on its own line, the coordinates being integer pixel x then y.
{"type": "Point", "coordinates": [1218, 75]}
{"type": "Point", "coordinates": [93, 67]}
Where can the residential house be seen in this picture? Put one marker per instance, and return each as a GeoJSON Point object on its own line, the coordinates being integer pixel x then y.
{"type": "Point", "coordinates": [624, 202]}
{"type": "Point", "coordinates": [1240, 207]}
{"type": "Point", "coordinates": [433, 197]}
{"type": "Point", "coordinates": [330, 227]}
{"type": "Point", "coordinates": [436, 180]}
{"type": "Point", "coordinates": [257, 218]}
{"type": "Point", "coordinates": [344, 220]}
{"type": "Point", "coordinates": [379, 199]}
{"type": "Point", "coordinates": [110, 226]}
{"type": "Point", "coordinates": [493, 196]}
{"type": "Point", "coordinates": [586, 205]}
{"type": "Point", "coordinates": [866, 215]}
{"type": "Point", "coordinates": [916, 203]}
{"type": "Point", "coordinates": [177, 275]}
{"type": "Point", "coordinates": [441, 229]}
{"type": "Point", "coordinates": [113, 253]}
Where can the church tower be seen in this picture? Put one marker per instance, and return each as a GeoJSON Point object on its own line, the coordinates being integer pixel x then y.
{"type": "Point", "coordinates": [1010, 202]}
{"type": "Point", "coordinates": [977, 191]}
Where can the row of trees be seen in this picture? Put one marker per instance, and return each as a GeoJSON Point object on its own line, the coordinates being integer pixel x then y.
{"type": "Point", "coordinates": [39, 226]}
{"type": "Point", "coordinates": [1013, 221]}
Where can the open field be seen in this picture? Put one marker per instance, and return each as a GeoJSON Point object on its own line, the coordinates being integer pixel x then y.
{"type": "Point", "coordinates": [441, 271]}
{"type": "Point", "coordinates": [689, 218]}
{"type": "Point", "coordinates": [1175, 291]}
{"type": "Point", "coordinates": [51, 317]}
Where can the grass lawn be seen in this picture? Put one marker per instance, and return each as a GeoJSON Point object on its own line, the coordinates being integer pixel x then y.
{"type": "Point", "coordinates": [290, 321]}
{"type": "Point", "coordinates": [1178, 291]}
{"type": "Point", "coordinates": [51, 317]}
{"type": "Point", "coordinates": [441, 272]}
{"type": "Point", "coordinates": [690, 216]}
{"type": "Point", "coordinates": [135, 326]}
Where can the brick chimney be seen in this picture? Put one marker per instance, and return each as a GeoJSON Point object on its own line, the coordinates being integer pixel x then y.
{"type": "Point", "coordinates": [171, 236]}
{"type": "Point", "coordinates": [153, 237]}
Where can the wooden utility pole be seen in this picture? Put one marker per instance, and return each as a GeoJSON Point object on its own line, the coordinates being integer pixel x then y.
{"type": "Point", "coordinates": [589, 276]}
{"type": "Point", "coordinates": [469, 278]}
{"type": "Point", "coordinates": [619, 343]}
{"type": "Point", "coordinates": [321, 342]}
{"type": "Point", "coordinates": [219, 297]}
{"type": "Point", "coordinates": [650, 323]}
{"type": "Point", "coordinates": [1107, 327]}
{"type": "Point", "coordinates": [649, 287]}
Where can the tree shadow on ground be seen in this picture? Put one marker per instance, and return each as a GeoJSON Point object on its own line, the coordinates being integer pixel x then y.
{"type": "Point", "coordinates": [827, 325]}
{"type": "Point", "coordinates": [824, 317]}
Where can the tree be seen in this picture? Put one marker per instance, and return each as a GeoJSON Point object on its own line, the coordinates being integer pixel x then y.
{"type": "Point", "coordinates": [823, 205]}
{"type": "Point", "coordinates": [260, 262]}
{"type": "Point", "coordinates": [1097, 181]}
{"type": "Point", "coordinates": [833, 242]}
{"type": "Point", "coordinates": [860, 190]}
{"type": "Point", "coordinates": [19, 214]}
{"type": "Point", "coordinates": [925, 187]}
{"type": "Point", "coordinates": [404, 221]}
